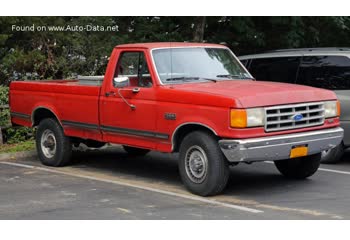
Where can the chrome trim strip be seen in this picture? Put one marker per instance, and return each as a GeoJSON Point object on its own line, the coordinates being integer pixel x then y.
{"type": "Point", "coordinates": [135, 132]}
{"type": "Point", "coordinates": [20, 115]}
{"type": "Point", "coordinates": [112, 129]}
{"type": "Point", "coordinates": [80, 125]}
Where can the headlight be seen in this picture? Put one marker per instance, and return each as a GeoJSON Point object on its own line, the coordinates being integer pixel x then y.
{"type": "Point", "coordinates": [331, 109]}
{"type": "Point", "coordinates": [242, 118]}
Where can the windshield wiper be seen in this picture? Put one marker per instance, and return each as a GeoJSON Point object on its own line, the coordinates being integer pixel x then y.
{"type": "Point", "coordinates": [182, 78]}
{"type": "Point", "coordinates": [232, 76]}
{"type": "Point", "coordinates": [189, 79]}
{"type": "Point", "coordinates": [227, 76]}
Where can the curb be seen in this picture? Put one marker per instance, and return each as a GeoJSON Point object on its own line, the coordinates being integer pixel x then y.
{"type": "Point", "coordinates": [17, 155]}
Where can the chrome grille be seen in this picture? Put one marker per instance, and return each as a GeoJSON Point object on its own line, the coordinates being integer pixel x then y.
{"type": "Point", "coordinates": [280, 118]}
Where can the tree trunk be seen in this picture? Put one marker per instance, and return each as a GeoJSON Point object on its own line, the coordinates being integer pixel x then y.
{"type": "Point", "coordinates": [199, 26]}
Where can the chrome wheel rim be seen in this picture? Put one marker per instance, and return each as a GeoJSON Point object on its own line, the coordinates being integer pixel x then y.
{"type": "Point", "coordinates": [48, 143]}
{"type": "Point", "coordinates": [196, 164]}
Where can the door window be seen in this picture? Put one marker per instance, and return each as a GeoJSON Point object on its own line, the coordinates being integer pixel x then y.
{"type": "Point", "coordinates": [278, 69]}
{"type": "Point", "coordinates": [330, 72]}
{"type": "Point", "coordinates": [134, 66]}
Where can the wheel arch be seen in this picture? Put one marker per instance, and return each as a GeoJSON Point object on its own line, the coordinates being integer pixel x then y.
{"type": "Point", "coordinates": [40, 113]}
{"type": "Point", "coordinates": [183, 129]}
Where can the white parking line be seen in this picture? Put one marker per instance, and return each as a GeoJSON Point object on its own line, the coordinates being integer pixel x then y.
{"type": "Point", "coordinates": [185, 196]}
{"type": "Point", "coordinates": [334, 171]}
{"type": "Point", "coordinates": [324, 169]}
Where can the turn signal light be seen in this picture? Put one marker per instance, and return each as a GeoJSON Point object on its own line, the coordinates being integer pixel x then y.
{"type": "Point", "coordinates": [338, 108]}
{"type": "Point", "coordinates": [238, 118]}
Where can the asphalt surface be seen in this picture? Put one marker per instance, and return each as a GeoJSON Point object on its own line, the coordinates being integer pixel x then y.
{"type": "Point", "coordinates": [109, 184]}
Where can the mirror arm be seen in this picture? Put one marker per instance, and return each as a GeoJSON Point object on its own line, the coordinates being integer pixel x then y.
{"type": "Point", "coordinates": [132, 106]}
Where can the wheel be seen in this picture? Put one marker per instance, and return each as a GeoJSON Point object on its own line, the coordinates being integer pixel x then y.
{"type": "Point", "coordinates": [53, 147]}
{"type": "Point", "coordinates": [299, 168]}
{"type": "Point", "coordinates": [333, 155]}
{"type": "Point", "coordinates": [202, 166]}
{"type": "Point", "coordinates": [135, 151]}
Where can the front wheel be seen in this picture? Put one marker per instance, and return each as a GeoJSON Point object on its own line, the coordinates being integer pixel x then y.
{"type": "Point", "coordinates": [202, 166]}
{"type": "Point", "coordinates": [299, 168]}
{"type": "Point", "coordinates": [53, 147]}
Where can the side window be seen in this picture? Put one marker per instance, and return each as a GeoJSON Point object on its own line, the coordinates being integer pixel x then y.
{"type": "Point", "coordinates": [278, 69]}
{"type": "Point", "coordinates": [134, 66]}
{"type": "Point", "coordinates": [330, 72]}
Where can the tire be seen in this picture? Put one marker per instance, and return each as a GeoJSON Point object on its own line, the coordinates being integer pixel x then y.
{"type": "Point", "coordinates": [203, 168]}
{"type": "Point", "coordinates": [53, 147]}
{"type": "Point", "coordinates": [135, 151]}
{"type": "Point", "coordinates": [334, 155]}
{"type": "Point", "coordinates": [299, 168]}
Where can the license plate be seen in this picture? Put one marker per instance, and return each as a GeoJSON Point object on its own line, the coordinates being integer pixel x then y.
{"type": "Point", "coordinates": [298, 151]}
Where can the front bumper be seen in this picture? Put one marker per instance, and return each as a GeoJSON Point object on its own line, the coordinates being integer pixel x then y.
{"type": "Point", "coordinates": [279, 147]}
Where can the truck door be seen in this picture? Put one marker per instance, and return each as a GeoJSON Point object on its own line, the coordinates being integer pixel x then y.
{"type": "Point", "coordinates": [128, 113]}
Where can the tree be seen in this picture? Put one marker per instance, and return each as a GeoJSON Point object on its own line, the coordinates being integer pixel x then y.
{"type": "Point", "coordinates": [199, 26]}
{"type": "Point", "coordinates": [59, 54]}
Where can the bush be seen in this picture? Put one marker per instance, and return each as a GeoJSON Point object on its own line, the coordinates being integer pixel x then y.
{"type": "Point", "coordinates": [11, 135]}
{"type": "Point", "coordinates": [17, 135]}
{"type": "Point", "coordinates": [5, 113]}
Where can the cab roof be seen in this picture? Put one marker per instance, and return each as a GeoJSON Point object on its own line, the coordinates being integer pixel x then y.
{"type": "Point", "coordinates": [167, 45]}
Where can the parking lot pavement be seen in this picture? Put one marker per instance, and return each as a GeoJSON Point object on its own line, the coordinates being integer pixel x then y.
{"type": "Point", "coordinates": [110, 185]}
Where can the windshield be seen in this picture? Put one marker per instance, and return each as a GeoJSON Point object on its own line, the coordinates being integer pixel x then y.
{"type": "Point", "coordinates": [176, 65]}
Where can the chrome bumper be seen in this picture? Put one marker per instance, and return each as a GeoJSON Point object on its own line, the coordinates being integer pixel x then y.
{"type": "Point", "coordinates": [279, 147]}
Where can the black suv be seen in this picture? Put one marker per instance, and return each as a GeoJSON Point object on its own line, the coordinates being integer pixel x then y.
{"type": "Point", "coordinates": [327, 68]}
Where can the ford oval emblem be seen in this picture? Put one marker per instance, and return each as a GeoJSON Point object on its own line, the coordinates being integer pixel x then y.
{"type": "Point", "coordinates": [297, 117]}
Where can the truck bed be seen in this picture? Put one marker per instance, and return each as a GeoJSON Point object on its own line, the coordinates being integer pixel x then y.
{"type": "Point", "coordinates": [68, 99]}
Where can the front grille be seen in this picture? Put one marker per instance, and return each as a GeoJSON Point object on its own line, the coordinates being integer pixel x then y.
{"type": "Point", "coordinates": [280, 118]}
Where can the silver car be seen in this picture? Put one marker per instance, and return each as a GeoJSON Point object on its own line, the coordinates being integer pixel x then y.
{"type": "Point", "coordinates": [327, 68]}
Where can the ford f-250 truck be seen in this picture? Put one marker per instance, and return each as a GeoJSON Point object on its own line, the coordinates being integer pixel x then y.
{"type": "Point", "coordinates": [195, 99]}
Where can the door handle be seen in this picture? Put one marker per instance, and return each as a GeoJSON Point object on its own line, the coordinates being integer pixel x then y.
{"type": "Point", "coordinates": [111, 93]}
{"type": "Point", "coordinates": [136, 90]}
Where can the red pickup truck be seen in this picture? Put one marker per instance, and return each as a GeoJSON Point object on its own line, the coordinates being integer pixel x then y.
{"type": "Point", "coordinates": [192, 98]}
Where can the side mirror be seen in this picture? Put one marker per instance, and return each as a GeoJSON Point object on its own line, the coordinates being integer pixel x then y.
{"type": "Point", "coordinates": [120, 82]}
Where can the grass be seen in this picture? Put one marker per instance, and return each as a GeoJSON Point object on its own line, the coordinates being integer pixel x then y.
{"type": "Point", "coordinates": [18, 147]}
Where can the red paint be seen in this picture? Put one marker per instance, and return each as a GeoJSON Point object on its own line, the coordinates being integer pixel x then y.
{"type": "Point", "coordinates": [204, 103]}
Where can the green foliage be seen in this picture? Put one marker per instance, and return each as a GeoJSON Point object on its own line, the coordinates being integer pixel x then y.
{"type": "Point", "coordinates": [4, 92]}
{"type": "Point", "coordinates": [12, 135]}
{"type": "Point", "coordinates": [58, 55]}
{"type": "Point", "coordinates": [17, 135]}
{"type": "Point", "coordinates": [4, 113]}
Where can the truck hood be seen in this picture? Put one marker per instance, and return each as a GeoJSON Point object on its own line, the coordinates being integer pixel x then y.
{"type": "Point", "coordinates": [248, 93]}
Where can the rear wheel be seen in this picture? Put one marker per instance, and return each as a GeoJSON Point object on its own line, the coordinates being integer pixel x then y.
{"type": "Point", "coordinates": [203, 168]}
{"type": "Point", "coordinates": [333, 155]}
{"type": "Point", "coordinates": [53, 147]}
{"type": "Point", "coordinates": [299, 168]}
{"type": "Point", "coordinates": [135, 151]}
